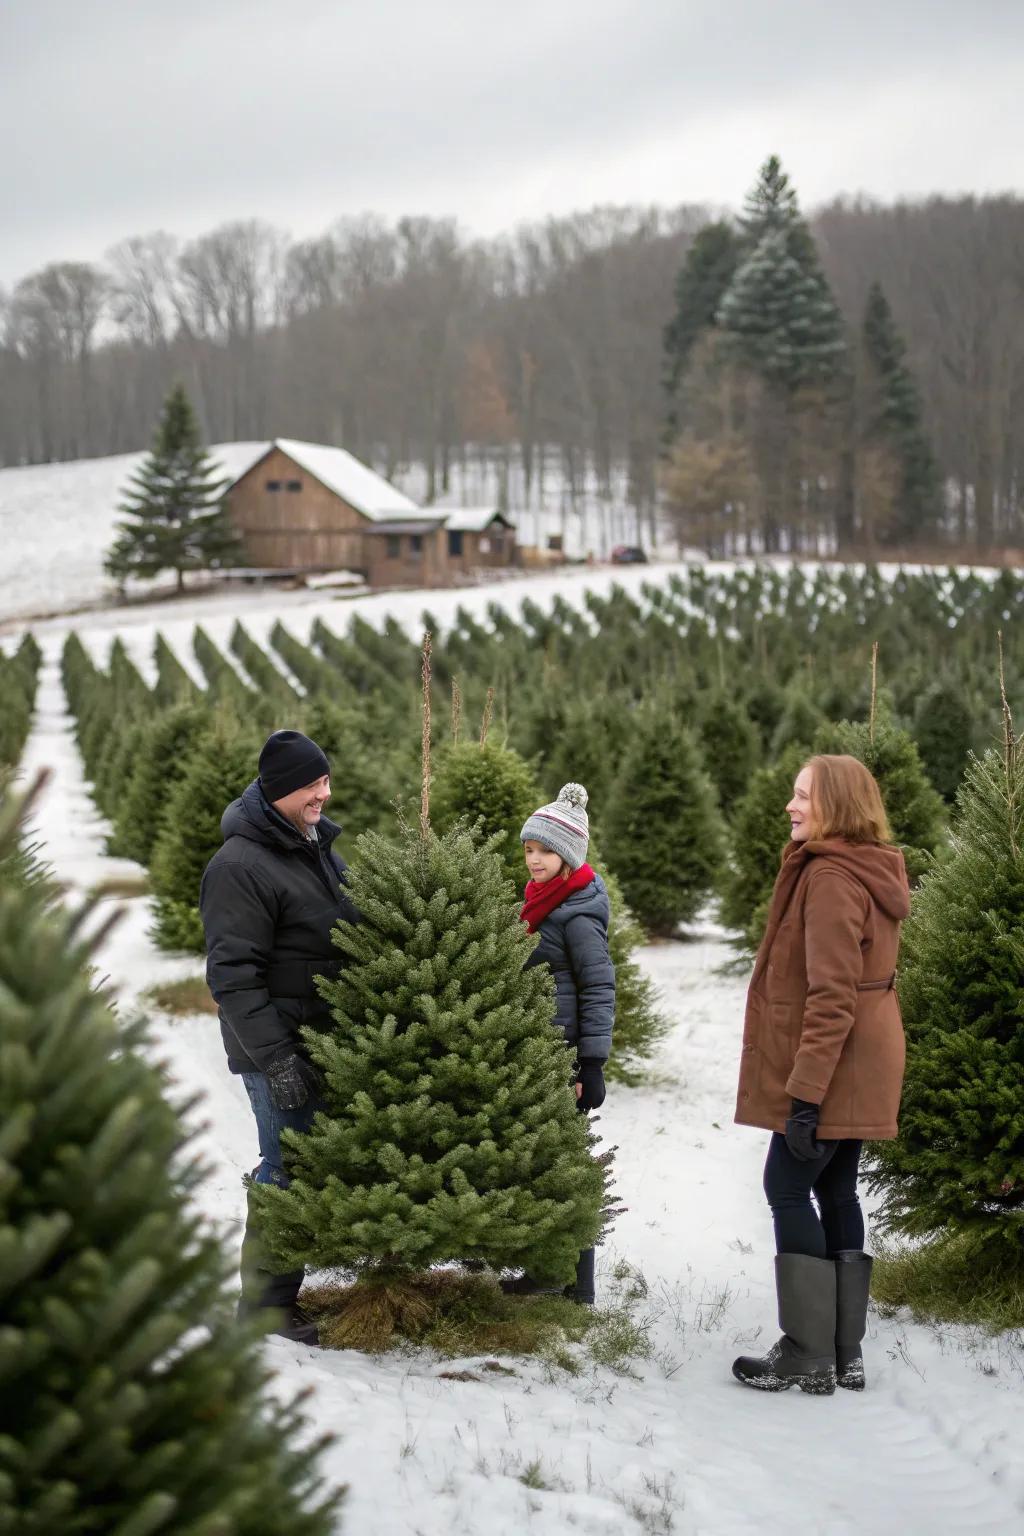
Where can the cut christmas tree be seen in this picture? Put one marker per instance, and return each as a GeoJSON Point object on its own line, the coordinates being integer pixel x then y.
{"type": "Point", "coordinates": [450, 1131]}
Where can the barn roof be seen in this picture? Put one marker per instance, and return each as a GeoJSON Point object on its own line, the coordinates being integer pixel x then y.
{"type": "Point", "coordinates": [356, 484]}
{"type": "Point", "coordinates": [473, 519]}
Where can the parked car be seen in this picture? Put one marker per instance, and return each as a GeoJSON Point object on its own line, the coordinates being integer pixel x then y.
{"type": "Point", "coordinates": [628, 554]}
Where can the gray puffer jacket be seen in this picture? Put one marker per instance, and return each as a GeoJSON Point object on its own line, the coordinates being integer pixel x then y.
{"type": "Point", "coordinates": [574, 943]}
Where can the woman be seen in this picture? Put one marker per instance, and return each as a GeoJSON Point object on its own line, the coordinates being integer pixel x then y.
{"type": "Point", "coordinates": [822, 1065]}
{"type": "Point", "coordinates": [567, 905]}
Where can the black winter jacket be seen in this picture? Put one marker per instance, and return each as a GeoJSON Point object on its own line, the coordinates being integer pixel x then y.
{"type": "Point", "coordinates": [269, 899]}
{"type": "Point", "coordinates": [574, 943]}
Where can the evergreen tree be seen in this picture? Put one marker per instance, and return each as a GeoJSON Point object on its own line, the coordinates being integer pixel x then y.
{"type": "Point", "coordinates": [944, 731]}
{"type": "Point", "coordinates": [663, 834]}
{"type": "Point", "coordinates": [759, 833]}
{"type": "Point", "coordinates": [778, 318]}
{"type": "Point", "coordinates": [490, 787]}
{"type": "Point", "coordinates": [132, 1401]}
{"type": "Point", "coordinates": [958, 1164]}
{"type": "Point", "coordinates": [770, 206]}
{"type": "Point", "coordinates": [174, 505]}
{"type": "Point", "coordinates": [370, 770]}
{"type": "Point", "coordinates": [731, 745]}
{"type": "Point", "coordinates": [164, 747]}
{"type": "Point", "coordinates": [220, 766]}
{"type": "Point", "coordinates": [894, 420]}
{"type": "Point", "coordinates": [800, 721]}
{"type": "Point", "coordinates": [450, 1129]}
{"type": "Point", "coordinates": [916, 814]}
{"type": "Point", "coordinates": [639, 1023]}
{"type": "Point", "coordinates": [700, 287]}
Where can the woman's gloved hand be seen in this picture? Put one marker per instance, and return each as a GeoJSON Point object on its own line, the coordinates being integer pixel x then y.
{"type": "Point", "coordinates": [800, 1132]}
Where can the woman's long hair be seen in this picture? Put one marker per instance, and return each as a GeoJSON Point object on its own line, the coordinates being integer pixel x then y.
{"type": "Point", "coordinates": [846, 801]}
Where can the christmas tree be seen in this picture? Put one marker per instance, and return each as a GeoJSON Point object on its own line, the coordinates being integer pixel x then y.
{"type": "Point", "coordinates": [450, 1130]}
{"type": "Point", "coordinates": [916, 813]}
{"type": "Point", "coordinates": [944, 730]}
{"type": "Point", "coordinates": [133, 1401]}
{"type": "Point", "coordinates": [663, 835]}
{"type": "Point", "coordinates": [893, 420]}
{"type": "Point", "coordinates": [759, 832]}
{"type": "Point", "coordinates": [700, 287]}
{"type": "Point", "coordinates": [220, 766]}
{"type": "Point", "coordinates": [958, 1164]}
{"type": "Point", "coordinates": [174, 505]}
{"type": "Point", "coordinates": [731, 745]}
{"type": "Point", "coordinates": [164, 746]}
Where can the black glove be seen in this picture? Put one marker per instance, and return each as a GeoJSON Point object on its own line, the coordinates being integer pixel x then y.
{"type": "Point", "coordinates": [800, 1132]}
{"type": "Point", "coordinates": [293, 1082]}
{"type": "Point", "coordinates": [591, 1080]}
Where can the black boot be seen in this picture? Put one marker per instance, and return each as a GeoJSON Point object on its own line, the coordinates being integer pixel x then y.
{"type": "Point", "coordinates": [582, 1289]}
{"type": "Point", "coordinates": [805, 1356]}
{"type": "Point", "coordinates": [853, 1285]}
{"type": "Point", "coordinates": [294, 1323]}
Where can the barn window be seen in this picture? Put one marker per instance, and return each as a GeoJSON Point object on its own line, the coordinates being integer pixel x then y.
{"type": "Point", "coordinates": [454, 543]}
{"type": "Point", "coordinates": [273, 485]}
{"type": "Point", "coordinates": [394, 546]}
{"type": "Point", "coordinates": [485, 546]}
{"type": "Point", "coordinates": [294, 485]}
{"type": "Point", "coordinates": [415, 545]}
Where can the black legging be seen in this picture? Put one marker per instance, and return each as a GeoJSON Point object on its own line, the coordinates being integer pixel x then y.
{"type": "Point", "coordinates": [789, 1183]}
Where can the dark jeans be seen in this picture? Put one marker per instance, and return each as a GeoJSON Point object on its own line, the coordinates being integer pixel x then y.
{"type": "Point", "coordinates": [789, 1184]}
{"type": "Point", "coordinates": [261, 1286]}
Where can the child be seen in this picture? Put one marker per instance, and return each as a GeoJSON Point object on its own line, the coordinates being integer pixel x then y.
{"type": "Point", "coordinates": [567, 904]}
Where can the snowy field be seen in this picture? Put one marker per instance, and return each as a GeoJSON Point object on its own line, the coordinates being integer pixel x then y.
{"type": "Point", "coordinates": [57, 522]}
{"type": "Point", "coordinates": [675, 1445]}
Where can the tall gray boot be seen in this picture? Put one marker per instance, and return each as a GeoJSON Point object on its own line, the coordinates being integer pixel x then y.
{"type": "Point", "coordinates": [853, 1286]}
{"type": "Point", "coordinates": [805, 1356]}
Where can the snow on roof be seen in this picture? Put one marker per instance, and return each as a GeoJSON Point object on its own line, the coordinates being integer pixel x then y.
{"type": "Point", "coordinates": [354, 482]}
{"type": "Point", "coordinates": [472, 519]}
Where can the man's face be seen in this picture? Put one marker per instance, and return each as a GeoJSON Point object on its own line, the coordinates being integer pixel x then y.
{"type": "Point", "coordinates": [303, 806]}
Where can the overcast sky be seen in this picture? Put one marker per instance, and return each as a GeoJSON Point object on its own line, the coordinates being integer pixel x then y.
{"type": "Point", "coordinates": [118, 117]}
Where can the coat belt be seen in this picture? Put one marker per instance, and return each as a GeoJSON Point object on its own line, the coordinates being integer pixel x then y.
{"type": "Point", "coordinates": [884, 985]}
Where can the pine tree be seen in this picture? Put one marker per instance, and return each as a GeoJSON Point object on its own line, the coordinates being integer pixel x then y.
{"type": "Point", "coordinates": [164, 747]}
{"type": "Point", "coordinates": [944, 731]}
{"type": "Point", "coordinates": [219, 767]}
{"type": "Point", "coordinates": [759, 832]}
{"type": "Point", "coordinates": [663, 834]}
{"type": "Point", "coordinates": [700, 287]}
{"type": "Point", "coordinates": [450, 1132]}
{"type": "Point", "coordinates": [916, 813]}
{"type": "Point", "coordinates": [778, 318]}
{"type": "Point", "coordinates": [731, 746]}
{"type": "Point", "coordinates": [488, 786]}
{"type": "Point", "coordinates": [958, 1164]}
{"type": "Point", "coordinates": [770, 206]}
{"type": "Point", "coordinates": [133, 1401]}
{"type": "Point", "coordinates": [639, 1022]}
{"type": "Point", "coordinates": [800, 721]}
{"type": "Point", "coordinates": [174, 505]}
{"type": "Point", "coordinates": [894, 421]}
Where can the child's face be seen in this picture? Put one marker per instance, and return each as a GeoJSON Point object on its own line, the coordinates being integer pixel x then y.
{"type": "Point", "coordinates": [541, 862]}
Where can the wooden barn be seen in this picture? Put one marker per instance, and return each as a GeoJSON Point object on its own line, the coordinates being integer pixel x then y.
{"type": "Point", "coordinates": [308, 507]}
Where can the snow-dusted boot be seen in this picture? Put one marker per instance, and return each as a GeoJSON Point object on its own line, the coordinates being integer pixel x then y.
{"type": "Point", "coordinates": [805, 1356]}
{"type": "Point", "coordinates": [853, 1284]}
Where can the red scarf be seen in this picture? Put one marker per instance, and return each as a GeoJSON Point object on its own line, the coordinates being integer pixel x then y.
{"type": "Point", "coordinates": [543, 896]}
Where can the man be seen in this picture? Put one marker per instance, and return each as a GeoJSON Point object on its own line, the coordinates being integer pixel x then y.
{"type": "Point", "coordinates": [269, 899]}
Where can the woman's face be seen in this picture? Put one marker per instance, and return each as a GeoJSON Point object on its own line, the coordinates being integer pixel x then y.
{"type": "Point", "coordinates": [541, 862]}
{"type": "Point", "coordinates": [799, 808]}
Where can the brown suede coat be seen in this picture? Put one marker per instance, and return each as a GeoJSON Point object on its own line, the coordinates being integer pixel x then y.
{"type": "Point", "coordinates": [822, 1020]}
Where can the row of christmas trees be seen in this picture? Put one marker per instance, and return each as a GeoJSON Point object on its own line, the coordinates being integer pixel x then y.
{"type": "Point", "coordinates": [18, 678]}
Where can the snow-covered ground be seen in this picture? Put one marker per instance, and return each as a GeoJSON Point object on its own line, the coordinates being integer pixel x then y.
{"type": "Point", "coordinates": [57, 521]}
{"type": "Point", "coordinates": [675, 1445]}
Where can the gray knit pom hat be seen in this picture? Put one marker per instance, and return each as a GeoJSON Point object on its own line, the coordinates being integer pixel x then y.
{"type": "Point", "coordinates": [563, 826]}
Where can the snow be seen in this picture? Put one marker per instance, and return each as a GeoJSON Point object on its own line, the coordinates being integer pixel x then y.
{"type": "Point", "coordinates": [352, 480]}
{"type": "Point", "coordinates": [57, 522]}
{"type": "Point", "coordinates": [471, 519]}
{"type": "Point", "coordinates": [674, 1445]}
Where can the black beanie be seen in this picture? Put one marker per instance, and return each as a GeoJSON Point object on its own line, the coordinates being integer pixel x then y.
{"type": "Point", "coordinates": [290, 761]}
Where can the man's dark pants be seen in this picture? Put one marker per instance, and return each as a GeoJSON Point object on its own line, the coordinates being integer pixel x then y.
{"type": "Point", "coordinates": [261, 1287]}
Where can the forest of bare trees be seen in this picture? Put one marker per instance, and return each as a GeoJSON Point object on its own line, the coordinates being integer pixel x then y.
{"type": "Point", "coordinates": [410, 343]}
